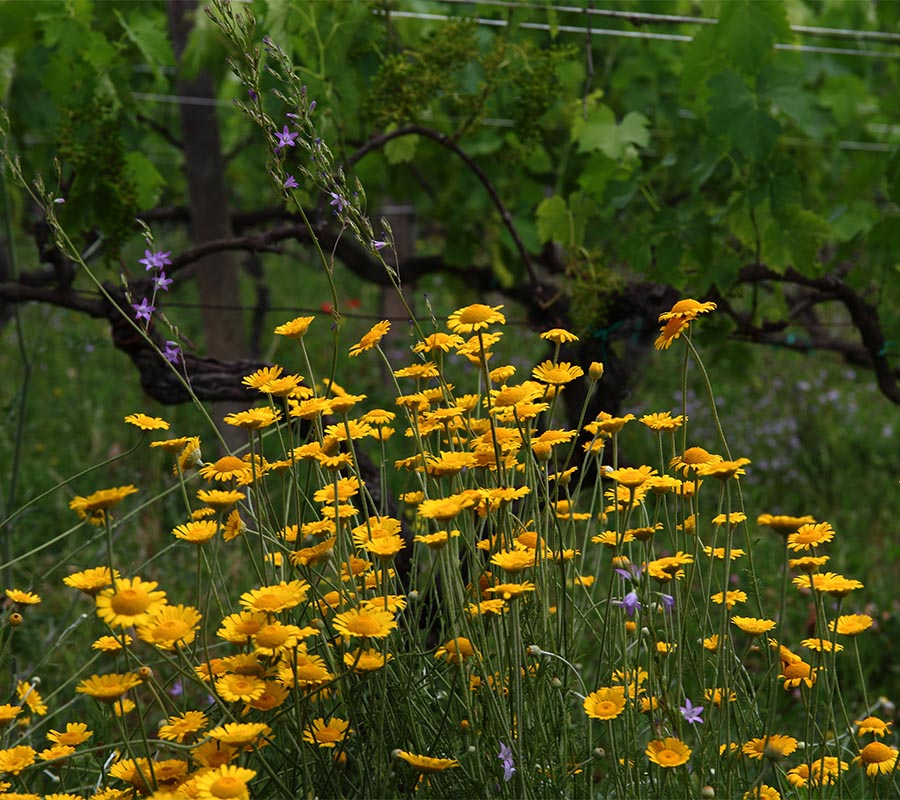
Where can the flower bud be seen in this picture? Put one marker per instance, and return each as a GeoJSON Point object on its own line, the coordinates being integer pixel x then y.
{"type": "Point", "coordinates": [16, 619]}
{"type": "Point", "coordinates": [595, 370]}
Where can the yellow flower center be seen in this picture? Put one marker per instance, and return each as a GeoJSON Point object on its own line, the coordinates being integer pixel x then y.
{"type": "Point", "coordinates": [328, 734]}
{"type": "Point", "coordinates": [476, 313]}
{"type": "Point", "coordinates": [875, 753]}
{"type": "Point", "coordinates": [172, 629]}
{"type": "Point", "coordinates": [271, 636]}
{"type": "Point", "coordinates": [130, 602]}
{"type": "Point", "coordinates": [365, 625]}
{"type": "Point", "coordinates": [668, 757]}
{"type": "Point", "coordinates": [227, 786]}
{"type": "Point", "coordinates": [229, 464]}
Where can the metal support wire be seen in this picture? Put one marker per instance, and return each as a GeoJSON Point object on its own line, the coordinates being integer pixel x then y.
{"type": "Point", "coordinates": [675, 19]}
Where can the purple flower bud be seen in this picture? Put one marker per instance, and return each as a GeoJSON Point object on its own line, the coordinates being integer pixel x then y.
{"type": "Point", "coordinates": [312, 106]}
{"type": "Point", "coordinates": [291, 182]}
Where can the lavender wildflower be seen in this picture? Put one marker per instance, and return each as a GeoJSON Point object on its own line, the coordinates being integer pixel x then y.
{"type": "Point", "coordinates": [161, 283]}
{"type": "Point", "coordinates": [338, 202]}
{"type": "Point", "coordinates": [290, 183]}
{"type": "Point", "coordinates": [285, 138]}
{"type": "Point", "coordinates": [668, 601]}
{"type": "Point", "coordinates": [172, 352]}
{"type": "Point", "coordinates": [690, 712]}
{"type": "Point", "coordinates": [506, 756]}
{"type": "Point", "coordinates": [378, 245]}
{"type": "Point", "coordinates": [144, 310]}
{"type": "Point", "coordinates": [630, 603]}
{"type": "Point", "coordinates": [156, 260]}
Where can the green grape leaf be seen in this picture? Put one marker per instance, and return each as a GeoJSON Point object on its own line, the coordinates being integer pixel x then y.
{"type": "Point", "coordinates": [748, 30]}
{"type": "Point", "coordinates": [733, 114]}
{"type": "Point", "coordinates": [554, 221]}
{"type": "Point", "coordinates": [401, 149]}
{"type": "Point", "coordinates": [143, 175]}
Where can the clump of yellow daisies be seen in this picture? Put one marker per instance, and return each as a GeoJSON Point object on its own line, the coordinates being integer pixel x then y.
{"type": "Point", "coordinates": [517, 574]}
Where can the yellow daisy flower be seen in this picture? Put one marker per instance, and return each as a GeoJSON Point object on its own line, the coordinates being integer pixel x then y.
{"type": "Point", "coordinates": [372, 338]}
{"type": "Point", "coordinates": [668, 752]}
{"type": "Point", "coordinates": [147, 423]}
{"type": "Point", "coordinates": [295, 329]}
{"type": "Point", "coordinates": [476, 317]}
{"type": "Point", "coordinates": [327, 734]}
{"type": "Point", "coordinates": [131, 602]}
{"type": "Point", "coordinates": [605, 703]}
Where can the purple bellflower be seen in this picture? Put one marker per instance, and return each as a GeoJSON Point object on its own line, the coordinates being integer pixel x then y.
{"type": "Point", "coordinates": [156, 260]}
{"type": "Point", "coordinates": [285, 138]}
{"type": "Point", "coordinates": [144, 310]}
{"type": "Point", "coordinates": [161, 283]}
{"type": "Point", "coordinates": [172, 352]}
{"type": "Point", "coordinates": [630, 603]}
{"type": "Point", "coordinates": [690, 712]}
{"type": "Point", "coordinates": [290, 183]}
{"type": "Point", "coordinates": [506, 757]}
{"type": "Point", "coordinates": [338, 202]}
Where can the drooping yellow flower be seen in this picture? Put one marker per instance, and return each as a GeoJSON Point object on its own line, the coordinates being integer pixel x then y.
{"type": "Point", "coordinates": [436, 540]}
{"type": "Point", "coordinates": [426, 764]}
{"type": "Point", "coordinates": [90, 581]}
{"type": "Point", "coordinates": [234, 526]}
{"type": "Point", "coordinates": [877, 758]}
{"type": "Point", "coordinates": [179, 727]}
{"type": "Point", "coordinates": [225, 469]}
{"type": "Point", "coordinates": [762, 792]}
{"type": "Point", "coordinates": [254, 419]}
{"type": "Point", "coordinates": [213, 753]}
{"type": "Point", "coordinates": [873, 725]}
{"type": "Point", "coordinates": [438, 341]}
{"type": "Point", "coordinates": [366, 660]}
{"type": "Point", "coordinates": [295, 329]}
{"type": "Point", "coordinates": [723, 470]}
{"type": "Point", "coordinates": [682, 314]}
{"type": "Point", "coordinates": [94, 507]}
{"type": "Point", "coordinates": [131, 602]}
{"type": "Point", "coordinates": [510, 590]}
{"type": "Point", "coordinates": [225, 781]}
{"type": "Point", "coordinates": [663, 422]}
{"type": "Point", "coordinates": [476, 317]}
{"type": "Point", "coordinates": [852, 624]}
{"type": "Point", "coordinates": [28, 694]}
{"type": "Point", "coordinates": [420, 371]}
{"type": "Point", "coordinates": [514, 561]}
{"type": "Point", "coordinates": [372, 338]}
{"type": "Point", "coordinates": [147, 423]}
{"type": "Point", "coordinates": [196, 532]}
{"type": "Point", "coordinates": [559, 336]}
{"type": "Point", "coordinates": [605, 703]}
{"type": "Point", "coordinates": [457, 650]}
{"type": "Point", "coordinates": [668, 752]}
{"type": "Point", "coordinates": [631, 477]}
{"type": "Point", "coordinates": [821, 645]}
{"type": "Point", "coordinates": [784, 524]}
{"type": "Point", "coordinates": [327, 734]}
{"type": "Point", "coordinates": [556, 374]}
{"type": "Point", "coordinates": [773, 747]}
{"type": "Point", "coordinates": [752, 626]}
{"type": "Point", "coordinates": [276, 597]}
{"type": "Point", "coordinates": [364, 623]}
{"type": "Point", "coordinates": [796, 672]}
{"type": "Point", "coordinates": [108, 688]}
{"type": "Point", "coordinates": [446, 508]}
{"type": "Point", "coordinates": [730, 598]}
{"type": "Point", "coordinates": [719, 552]}
{"type": "Point", "coordinates": [22, 598]}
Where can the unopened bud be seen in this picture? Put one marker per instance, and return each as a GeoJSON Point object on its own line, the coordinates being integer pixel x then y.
{"type": "Point", "coordinates": [145, 673]}
{"type": "Point", "coordinates": [595, 370]}
{"type": "Point", "coordinates": [16, 619]}
{"type": "Point", "coordinates": [707, 793]}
